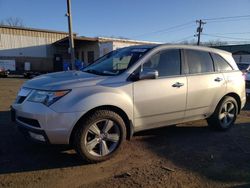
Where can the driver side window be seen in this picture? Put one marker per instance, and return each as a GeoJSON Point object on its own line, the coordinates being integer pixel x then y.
{"type": "Point", "coordinates": [167, 63]}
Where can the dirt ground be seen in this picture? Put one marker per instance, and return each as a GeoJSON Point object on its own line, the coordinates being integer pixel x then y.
{"type": "Point", "coordinates": [192, 156]}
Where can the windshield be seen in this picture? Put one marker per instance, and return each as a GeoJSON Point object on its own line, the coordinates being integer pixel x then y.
{"type": "Point", "coordinates": [116, 62]}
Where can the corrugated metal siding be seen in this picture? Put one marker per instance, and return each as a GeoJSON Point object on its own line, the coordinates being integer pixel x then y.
{"type": "Point", "coordinates": [18, 45]}
{"type": "Point", "coordinates": [17, 42]}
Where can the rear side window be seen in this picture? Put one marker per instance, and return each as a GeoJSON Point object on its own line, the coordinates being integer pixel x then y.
{"type": "Point", "coordinates": [167, 63]}
{"type": "Point", "coordinates": [198, 62]}
{"type": "Point", "coordinates": [220, 64]}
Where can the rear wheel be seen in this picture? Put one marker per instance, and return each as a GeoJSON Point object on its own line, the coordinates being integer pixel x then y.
{"type": "Point", "coordinates": [224, 115]}
{"type": "Point", "coordinates": [99, 136]}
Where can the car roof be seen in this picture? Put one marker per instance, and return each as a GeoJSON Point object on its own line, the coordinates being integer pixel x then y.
{"type": "Point", "coordinates": [191, 47]}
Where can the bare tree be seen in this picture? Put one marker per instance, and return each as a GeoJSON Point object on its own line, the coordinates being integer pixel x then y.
{"type": "Point", "coordinates": [208, 43]}
{"type": "Point", "coordinates": [12, 21]}
{"type": "Point", "coordinates": [188, 42]}
{"type": "Point", "coordinates": [215, 43]}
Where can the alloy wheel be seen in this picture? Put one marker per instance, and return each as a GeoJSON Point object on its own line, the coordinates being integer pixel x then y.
{"type": "Point", "coordinates": [102, 138]}
{"type": "Point", "coordinates": [227, 114]}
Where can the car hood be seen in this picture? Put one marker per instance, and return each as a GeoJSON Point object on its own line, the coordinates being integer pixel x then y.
{"type": "Point", "coordinates": [64, 80]}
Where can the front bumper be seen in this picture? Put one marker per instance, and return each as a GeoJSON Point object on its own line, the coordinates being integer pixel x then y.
{"type": "Point", "coordinates": [43, 124]}
{"type": "Point", "coordinates": [33, 134]}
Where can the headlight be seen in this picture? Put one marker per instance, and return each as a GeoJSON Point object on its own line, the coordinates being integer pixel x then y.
{"type": "Point", "coordinates": [47, 97]}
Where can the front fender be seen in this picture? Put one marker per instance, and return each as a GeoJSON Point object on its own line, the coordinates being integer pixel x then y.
{"type": "Point", "coordinates": [81, 100]}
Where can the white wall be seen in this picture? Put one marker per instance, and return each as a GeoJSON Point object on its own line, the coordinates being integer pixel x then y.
{"type": "Point", "coordinates": [106, 47]}
{"type": "Point", "coordinates": [119, 44]}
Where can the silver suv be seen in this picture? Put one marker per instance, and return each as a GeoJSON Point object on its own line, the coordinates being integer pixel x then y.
{"type": "Point", "coordinates": [129, 90]}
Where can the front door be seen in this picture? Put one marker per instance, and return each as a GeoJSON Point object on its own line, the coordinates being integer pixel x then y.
{"type": "Point", "coordinates": [162, 101]}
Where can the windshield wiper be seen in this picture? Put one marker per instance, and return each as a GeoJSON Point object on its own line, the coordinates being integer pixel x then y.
{"type": "Point", "coordinates": [104, 73]}
{"type": "Point", "coordinates": [92, 71]}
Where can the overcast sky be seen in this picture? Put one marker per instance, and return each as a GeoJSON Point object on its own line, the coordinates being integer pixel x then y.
{"type": "Point", "coordinates": [137, 19]}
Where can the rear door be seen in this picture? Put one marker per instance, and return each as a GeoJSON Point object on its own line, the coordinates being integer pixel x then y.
{"type": "Point", "coordinates": [205, 86]}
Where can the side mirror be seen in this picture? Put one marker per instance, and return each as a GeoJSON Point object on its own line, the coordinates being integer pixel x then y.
{"type": "Point", "coordinates": [148, 73]}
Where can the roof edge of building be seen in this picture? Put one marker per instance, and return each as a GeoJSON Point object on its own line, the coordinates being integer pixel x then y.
{"type": "Point", "coordinates": [34, 29]}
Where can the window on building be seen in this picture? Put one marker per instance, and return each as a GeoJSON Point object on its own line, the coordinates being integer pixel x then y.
{"type": "Point", "coordinates": [198, 61]}
{"type": "Point", "coordinates": [166, 62]}
{"type": "Point", "coordinates": [220, 63]}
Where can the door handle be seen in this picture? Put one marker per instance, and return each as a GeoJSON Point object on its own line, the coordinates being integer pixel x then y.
{"type": "Point", "coordinates": [178, 84]}
{"type": "Point", "coordinates": [218, 79]}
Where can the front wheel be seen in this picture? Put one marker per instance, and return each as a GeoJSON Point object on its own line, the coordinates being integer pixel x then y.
{"type": "Point", "coordinates": [99, 136]}
{"type": "Point", "coordinates": [224, 115]}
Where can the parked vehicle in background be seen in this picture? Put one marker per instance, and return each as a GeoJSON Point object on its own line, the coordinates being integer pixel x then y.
{"type": "Point", "coordinates": [7, 66]}
{"type": "Point", "coordinates": [130, 90]}
{"type": "Point", "coordinates": [247, 77]}
{"type": "Point", "coordinates": [4, 73]}
{"type": "Point", "coordinates": [244, 66]}
{"type": "Point", "coordinates": [31, 74]}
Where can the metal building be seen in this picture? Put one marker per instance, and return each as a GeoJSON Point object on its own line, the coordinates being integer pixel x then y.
{"type": "Point", "coordinates": [29, 45]}
{"type": "Point", "coordinates": [47, 50]}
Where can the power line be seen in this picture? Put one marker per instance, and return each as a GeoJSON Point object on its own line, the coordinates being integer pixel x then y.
{"type": "Point", "coordinates": [235, 38]}
{"type": "Point", "coordinates": [234, 33]}
{"type": "Point", "coordinates": [227, 17]}
{"type": "Point", "coordinates": [232, 20]}
{"type": "Point", "coordinates": [185, 38]}
{"type": "Point", "coordinates": [188, 24]}
{"type": "Point", "coordinates": [171, 29]}
{"type": "Point", "coordinates": [176, 30]}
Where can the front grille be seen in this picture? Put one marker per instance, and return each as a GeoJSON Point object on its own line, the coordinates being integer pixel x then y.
{"type": "Point", "coordinates": [31, 122]}
{"type": "Point", "coordinates": [247, 84]}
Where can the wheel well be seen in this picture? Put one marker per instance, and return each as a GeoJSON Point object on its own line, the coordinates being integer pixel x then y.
{"type": "Point", "coordinates": [128, 123]}
{"type": "Point", "coordinates": [236, 97]}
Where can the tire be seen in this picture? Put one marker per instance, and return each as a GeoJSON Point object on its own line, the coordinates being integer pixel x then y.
{"type": "Point", "coordinates": [224, 115]}
{"type": "Point", "coordinates": [99, 136]}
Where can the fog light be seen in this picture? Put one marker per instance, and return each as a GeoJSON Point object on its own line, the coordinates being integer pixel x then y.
{"type": "Point", "coordinates": [37, 136]}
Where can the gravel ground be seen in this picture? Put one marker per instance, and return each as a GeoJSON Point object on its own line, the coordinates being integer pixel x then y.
{"type": "Point", "coordinates": [187, 155]}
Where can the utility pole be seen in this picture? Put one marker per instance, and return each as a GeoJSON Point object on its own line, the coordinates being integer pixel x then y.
{"type": "Point", "coordinates": [199, 30]}
{"type": "Point", "coordinates": [71, 37]}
